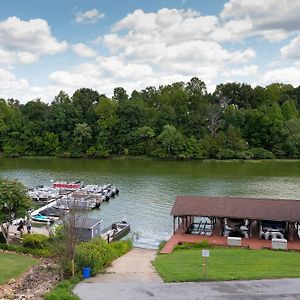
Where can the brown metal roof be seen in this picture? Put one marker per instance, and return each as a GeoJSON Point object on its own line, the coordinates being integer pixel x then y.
{"type": "Point", "coordinates": [244, 208]}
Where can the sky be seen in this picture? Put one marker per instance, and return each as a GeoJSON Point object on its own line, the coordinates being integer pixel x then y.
{"type": "Point", "coordinates": [52, 45]}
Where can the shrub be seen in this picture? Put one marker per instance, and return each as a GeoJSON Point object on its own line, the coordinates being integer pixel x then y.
{"type": "Point", "coordinates": [203, 244]}
{"type": "Point", "coordinates": [225, 154]}
{"type": "Point", "coordinates": [26, 250]}
{"type": "Point", "coordinates": [95, 254]}
{"type": "Point", "coordinates": [35, 241]}
{"type": "Point", "coordinates": [261, 153]}
{"type": "Point", "coordinates": [120, 248]}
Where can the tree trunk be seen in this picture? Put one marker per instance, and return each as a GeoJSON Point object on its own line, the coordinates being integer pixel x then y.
{"type": "Point", "coordinates": [5, 232]}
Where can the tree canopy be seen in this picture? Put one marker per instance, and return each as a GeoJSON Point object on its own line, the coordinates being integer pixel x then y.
{"type": "Point", "coordinates": [179, 120]}
{"type": "Point", "coordinates": [14, 203]}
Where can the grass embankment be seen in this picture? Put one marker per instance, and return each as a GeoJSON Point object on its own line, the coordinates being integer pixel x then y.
{"type": "Point", "coordinates": [97, 255]}
{"type": "Point", "coordinates": [227, 264]}
{"type": "Point", "coordinates": [14, 265]}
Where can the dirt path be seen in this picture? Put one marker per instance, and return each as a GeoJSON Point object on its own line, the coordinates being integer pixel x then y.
{"type": "Point", "coordinates": [135, 265]}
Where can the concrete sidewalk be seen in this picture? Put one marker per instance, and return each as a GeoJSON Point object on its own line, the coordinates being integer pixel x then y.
{"type": "Point", "coordinates": [133, 266]}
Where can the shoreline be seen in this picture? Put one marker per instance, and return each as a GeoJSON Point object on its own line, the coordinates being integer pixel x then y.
{"type": "Point", "coordinates": [146, 158]}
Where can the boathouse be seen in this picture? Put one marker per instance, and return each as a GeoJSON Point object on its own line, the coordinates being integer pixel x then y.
{"type": "Point", "coordinates": [254, 220]}
{"type": "Point", "coordinates": [87, 228]}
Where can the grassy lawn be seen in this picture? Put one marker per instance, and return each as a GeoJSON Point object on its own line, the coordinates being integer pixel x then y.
{"type": "Point", "coordinates": [227, 264]}
{"type": "Point", "coordinates": [13, 265]}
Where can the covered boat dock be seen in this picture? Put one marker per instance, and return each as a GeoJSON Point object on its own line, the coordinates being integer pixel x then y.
{"type": "Point", "coordinates": [256, 221]}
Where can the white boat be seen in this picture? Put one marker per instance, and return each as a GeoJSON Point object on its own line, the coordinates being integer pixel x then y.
{"type": "Point", "coordinates": [36, 215]}
{"type": "Point", "coordinates": [115, 231]}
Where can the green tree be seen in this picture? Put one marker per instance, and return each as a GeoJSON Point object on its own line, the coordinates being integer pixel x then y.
{"type": "Point", "coordinates": [235, 93]}
{"type": "Point", "coordinates": [289, 110]}
{"type": "Point", "coordinates": [85, 100]}
{"type": "Point", "coordinates": [120, 94]}
{"type": "Point", "coordinates": [172, 141]}
{"type": "Point", "coordinates": [82, 136]}
{"type": "Point", "coordinates": [106, 111]}
{"type": "Point", "coordinates": [292, 142]}
{"type": "Point", "coordinates": [14, 203]}
{"type": "Point", "coordinates": [144, 140]}
{"type": "Point", "coordinates": [196, 87]}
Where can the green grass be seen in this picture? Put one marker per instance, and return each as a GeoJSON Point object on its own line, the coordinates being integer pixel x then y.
{"type": "Point", "coordinates": [227, 264]}
{"type": "Point", "coordinates": [63, 291]}
{"type": "Point", "coordinates": [14, 265]}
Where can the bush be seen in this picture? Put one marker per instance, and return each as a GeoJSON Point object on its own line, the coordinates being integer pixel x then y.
{"type": "Point", "coordinates": [63, 291]}
{"type": "Point", "coordinates": [35, 241]}
{"type": "Point", "coordinates": [202, 245]}
{"type": "Point", "coordinates": [120, 248]}
{"type": "Point", "coordinates": [261, 153]}
{"type": "Point", "coordinates": [25, 250]}
{"type": "Point", "coordinates": [225, 154]}
{"type": "Point", "coordinates": [95, 254]}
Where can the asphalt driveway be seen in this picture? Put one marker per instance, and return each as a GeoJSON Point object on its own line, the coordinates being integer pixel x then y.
{"type": "Point", "coordinates": [132, 277]}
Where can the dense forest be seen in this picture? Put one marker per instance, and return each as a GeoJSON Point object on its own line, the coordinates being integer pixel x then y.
{"type": "Point", "coordinates": [179, 121]}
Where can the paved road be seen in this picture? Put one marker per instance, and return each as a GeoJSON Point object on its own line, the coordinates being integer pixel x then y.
{"type": "Point", "coordinates": [260, 289]}
{"type": "Point", "coordinates": [132, 277]}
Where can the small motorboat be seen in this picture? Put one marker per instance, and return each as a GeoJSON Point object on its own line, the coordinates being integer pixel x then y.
{"type": "Point", "coordinates": [41, 218]}
{"type": "Point", "coordinates": [115, 231]}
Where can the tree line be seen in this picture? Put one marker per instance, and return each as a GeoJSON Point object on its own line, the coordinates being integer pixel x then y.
{"type": "Point", "coordinates": [177, 121]}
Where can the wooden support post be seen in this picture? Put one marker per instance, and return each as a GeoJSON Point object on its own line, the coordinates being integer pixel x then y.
{"type": "Point", "coordinates": [174, 224]}
{"type": "Point", "coordinates": [221, 226]}
{"type": "Point", "coordinates": [250, 228]}
{"type": "Point", "coordinates": [292, 230]}
{"type": "Point", "coordinates": [204, 266]}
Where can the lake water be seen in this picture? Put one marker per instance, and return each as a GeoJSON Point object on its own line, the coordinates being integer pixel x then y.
{"type": "Point", "coordinates": [148, 188]}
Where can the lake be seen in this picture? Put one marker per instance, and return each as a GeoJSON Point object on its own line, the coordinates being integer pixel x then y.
{"type": "Point", "coordinates": [148, 187]}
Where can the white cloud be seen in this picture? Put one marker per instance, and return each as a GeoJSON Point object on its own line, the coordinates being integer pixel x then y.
{"type": "Point", "coordinates": [104, 69]}
{"type": "Point", "coordinates": [151, 49]}
{"type": "Point", "coordinates": [10, 84]}
{"type": "Point", "coordinates": [25, 41]}
{"type": "Point", "coordinates": [83, 50]}
{"type": "Point", "coordinates": [272, 19]}
{"type": "Point", "coordinates": [292, 50]}
{"type": "Point", "coordinates": [289, 75]}
{"type": "Point", "coordinates": [91, 16]}
{"type": "Point", "coordinates": [162, 47]}
{"type": "Point", "coordinates": [169, 37]}
{"type": "Point", "coordinates": [250, 70]}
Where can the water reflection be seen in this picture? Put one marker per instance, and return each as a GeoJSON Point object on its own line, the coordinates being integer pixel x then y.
{"type": "Point", "coordinates": [148, 188]}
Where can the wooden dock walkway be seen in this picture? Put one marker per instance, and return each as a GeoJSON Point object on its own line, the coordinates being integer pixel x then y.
{"type": "Point", "coordinates": [215, 239]}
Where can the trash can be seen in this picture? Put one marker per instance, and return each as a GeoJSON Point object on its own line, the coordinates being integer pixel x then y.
{"type": "Point", "coordinates": [86, 272]}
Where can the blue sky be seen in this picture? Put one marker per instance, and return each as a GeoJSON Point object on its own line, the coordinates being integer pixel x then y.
{"type": "Point", "coordinates": [51, 45]}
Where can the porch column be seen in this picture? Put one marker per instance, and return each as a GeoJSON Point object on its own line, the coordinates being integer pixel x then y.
{"type": "Point", "coordinates": [249, 228]}
{"type": "Point", "coordinates": [174, 224]}
{"type": "Point", "coordinates": [221, 226]}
